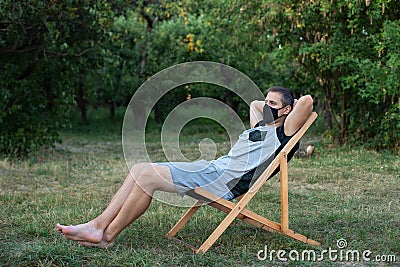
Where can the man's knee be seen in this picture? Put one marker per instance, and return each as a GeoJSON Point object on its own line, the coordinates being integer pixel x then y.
{"type": "Point", "coordinates": [144, 173]}
{"type": "Point", "coordinates": [151, 177]}
{"type": "Point", "coordinates": [139, 169]}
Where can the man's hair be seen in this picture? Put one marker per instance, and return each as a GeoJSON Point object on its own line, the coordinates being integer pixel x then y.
{"type": "Point", "coordinates": [287, 97]}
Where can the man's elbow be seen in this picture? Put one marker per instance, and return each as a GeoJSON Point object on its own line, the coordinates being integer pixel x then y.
{"type": "Point", "coordinates": [254, 103]}
{"type": "Point", "coordinates": [257, 105]}
{"type": "Point", "coordinates": [307, 102]}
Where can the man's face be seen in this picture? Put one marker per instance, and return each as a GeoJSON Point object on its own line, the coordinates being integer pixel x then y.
{"type": "Point", "coordinates": [273, 100]}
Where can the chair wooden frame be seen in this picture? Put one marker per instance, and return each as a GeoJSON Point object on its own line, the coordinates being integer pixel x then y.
{"type": "Point", "coordinates": [238, 210]}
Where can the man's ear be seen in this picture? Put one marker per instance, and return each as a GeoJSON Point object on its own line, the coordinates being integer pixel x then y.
{"type": "Point", "coordinates": [288, 109]}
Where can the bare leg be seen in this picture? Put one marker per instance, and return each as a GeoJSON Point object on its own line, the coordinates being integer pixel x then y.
{"type": "Point", "coordinates": [92, 231]}
{"type": "Point", "coordinates": [135, 205]}
{"type": "Point", "coordinates": [138, 188]}
{"type": "Point", "coordinates": [138, 201]}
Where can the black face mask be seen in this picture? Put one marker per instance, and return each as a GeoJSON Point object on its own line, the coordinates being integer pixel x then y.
{"type": "Point", "coordinates": [270, 114]}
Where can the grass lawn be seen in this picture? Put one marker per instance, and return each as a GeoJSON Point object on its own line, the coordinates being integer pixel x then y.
{"type": "Point", "coordinates": [339, 193]}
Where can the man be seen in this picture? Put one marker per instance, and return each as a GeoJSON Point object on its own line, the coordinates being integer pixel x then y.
{"type": "Point", "coordinates": [272, 122]}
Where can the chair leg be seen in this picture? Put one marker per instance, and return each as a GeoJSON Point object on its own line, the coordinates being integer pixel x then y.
{"type": "Point", "coordinates": [284, 191]}
{"type": "Point", "coordinates": [217, 232]}
{"type": "Point", "coordinates": [185, 218]}
{"type": "Point", "coordinates": [262, 222]}
{"type": "Point", "coordinates": [234, 213]}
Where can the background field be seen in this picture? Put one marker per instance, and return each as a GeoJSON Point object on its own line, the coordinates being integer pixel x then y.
{"type": "Point", "coordinates": [339, 192]}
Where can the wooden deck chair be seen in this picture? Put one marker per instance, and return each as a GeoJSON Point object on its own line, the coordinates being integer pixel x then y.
{"type": "Point", "coordinates": [238, 210]}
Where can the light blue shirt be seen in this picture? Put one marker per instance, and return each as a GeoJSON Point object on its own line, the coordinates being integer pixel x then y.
{"type": "Point", "coordinates": [248, 152]}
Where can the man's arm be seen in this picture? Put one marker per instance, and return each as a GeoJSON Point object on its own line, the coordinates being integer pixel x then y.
{"type": "Point", "coordinates": [256, 112]}
{"type": "Point", "coordinates": [302, 109]}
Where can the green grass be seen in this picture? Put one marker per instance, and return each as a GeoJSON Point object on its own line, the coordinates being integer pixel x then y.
{"type": "Point", "coordinates": [340, 192]}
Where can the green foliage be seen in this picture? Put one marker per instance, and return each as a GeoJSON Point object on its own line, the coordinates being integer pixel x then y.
{"type": "Point", "coordinates": [44, 47]}
{"type": "Point", "coordinates": [93, 53]}
{"type": "Point", "coordinates": [350, 48]}
{"type": "Point", "coordinates": [379, 83]}
{"type": "Point", "coordinates": [33, 110]}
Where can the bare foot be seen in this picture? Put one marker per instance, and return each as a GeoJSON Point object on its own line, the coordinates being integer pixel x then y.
{"type": "Point", "coordinates": [101, 244]}
{"type": "Point", "coordinates": [83, 232]}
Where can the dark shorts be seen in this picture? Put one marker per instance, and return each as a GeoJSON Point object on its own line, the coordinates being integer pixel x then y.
{"type": "Point", "coordinates": [189, 175]}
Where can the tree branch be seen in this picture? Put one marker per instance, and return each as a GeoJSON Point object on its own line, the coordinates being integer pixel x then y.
{"type": "Point", "coordinates": [58, 54]}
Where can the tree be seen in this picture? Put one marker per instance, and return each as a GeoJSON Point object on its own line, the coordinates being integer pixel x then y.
{"type": "Point", "coordinates": [346, 47]}
{"type": "Point", "coordinates": [58, 54]}
{"type": "Point", "coordinates": [41, 46]}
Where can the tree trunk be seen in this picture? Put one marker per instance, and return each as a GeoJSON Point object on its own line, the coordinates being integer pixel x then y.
{"type": "Point", "coordinates": [82, 102]}
{"type": "Point", "coordinates": [48, 92]}
{"type": "Point", "coordinates": [327, 117]}
{"type": "Point", "coordinates": [112, 107]}
{"type": "Point", "coordinates": [112, 104]}
{"type": "Point", "coordinates": [343, 132]}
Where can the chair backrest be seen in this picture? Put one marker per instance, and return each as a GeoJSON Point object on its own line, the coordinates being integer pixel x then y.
{"type": "Point", "coordinates": [285, 150]}
{"type": "Point", "coordinates": [292, 142]}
